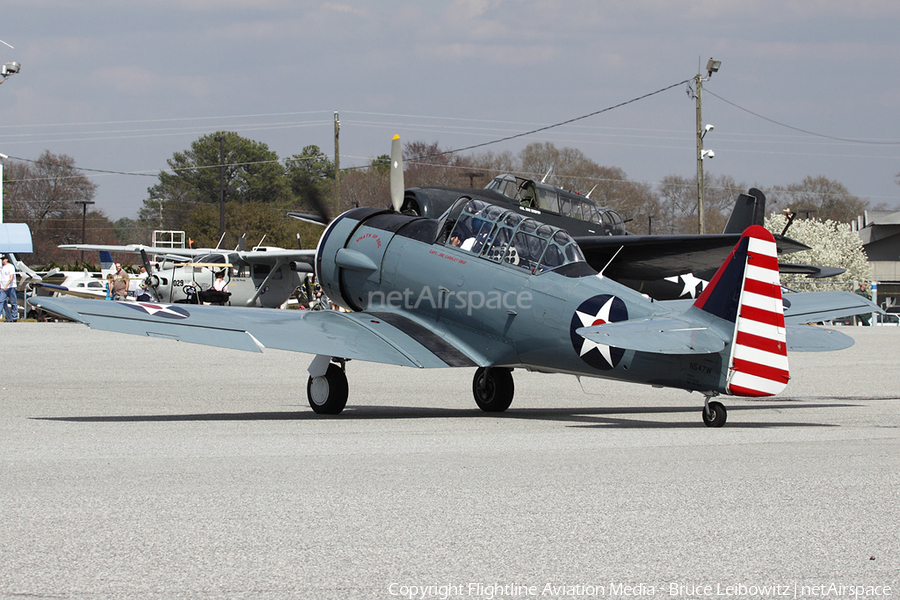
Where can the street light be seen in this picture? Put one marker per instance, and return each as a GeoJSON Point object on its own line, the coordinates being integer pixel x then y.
{"type": "Point", "coordinates": [9, 68]}
{"type": "Point", "coordinates": [84, 205]}
{"type": "Point", "coordinates": [712, 66]}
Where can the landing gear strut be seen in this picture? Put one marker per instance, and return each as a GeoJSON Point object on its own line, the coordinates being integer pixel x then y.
{"type": "Point", "coordinates": [328, 393]}
{"type": "Point", "coordinates": [714, 413]}
{"type": "Point", "coordinates": [493, 388]}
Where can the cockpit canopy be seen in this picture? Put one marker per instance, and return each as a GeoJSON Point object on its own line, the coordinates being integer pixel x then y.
{"type": "Point", "coordinates": [502, 235]}
{"type": "Point", "coordinates": [536, 195]}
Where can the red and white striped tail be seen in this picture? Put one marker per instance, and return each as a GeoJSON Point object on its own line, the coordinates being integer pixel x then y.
{"type": "Point", "coordinates": [759, 364]}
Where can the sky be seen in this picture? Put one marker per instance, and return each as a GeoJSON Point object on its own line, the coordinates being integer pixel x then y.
{"type": "Point", "coordinates": [805, 88]}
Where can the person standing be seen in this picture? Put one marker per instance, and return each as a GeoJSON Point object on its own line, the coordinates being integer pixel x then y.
{"type": "Point", "coordinates": [8, 291]}
{"type": "Point", "coordinates": [120, 284]}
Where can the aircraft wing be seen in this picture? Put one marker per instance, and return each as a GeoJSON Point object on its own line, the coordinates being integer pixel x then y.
{"type": "Point", "coordinates": [383, 338]}
{"type": "Point", "coordinates": [657, 256]}
{"type": "Point", "coordinates": [273, 255]}
{"type": "Point", "coordinates": [136, 249]}
{"type": "Point", "coordinates": [266, 256]}
{"type": "Point", "coordinates": [61, 289]}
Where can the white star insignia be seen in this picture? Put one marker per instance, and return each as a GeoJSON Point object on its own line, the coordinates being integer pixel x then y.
{"type": "Point", "coordinates": [690, 284]}
{"type": "Point", "coordinates": [588, 320]}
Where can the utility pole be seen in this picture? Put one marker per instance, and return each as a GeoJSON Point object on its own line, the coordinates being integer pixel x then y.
{"type": "Point", "coordinates": [711, 67]}
{"type": "Point", "coordinates": [472, 175]}
{"type": "Point", "coordinates": [221, 140]}
{"type": "Point", "coordinates": [337, 164]}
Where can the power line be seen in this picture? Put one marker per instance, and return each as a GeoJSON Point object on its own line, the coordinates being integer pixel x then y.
{"type": "Point", "coordinates": [561, 123]}
{"type": "Point", "coordinates": [806, 131]}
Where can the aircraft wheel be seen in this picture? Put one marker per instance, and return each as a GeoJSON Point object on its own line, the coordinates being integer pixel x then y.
{"type": "Point", "coordinates": [328, 394]}
{"type": "Point", "coordinates": [493, 388]}
{"type": "Point", "coordinates": [715, 416]}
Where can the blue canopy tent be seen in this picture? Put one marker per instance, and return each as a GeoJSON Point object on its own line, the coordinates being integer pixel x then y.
{"type": "Point", "coordinates": [15, 237]}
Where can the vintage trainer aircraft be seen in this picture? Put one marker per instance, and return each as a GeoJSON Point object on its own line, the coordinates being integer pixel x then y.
{"type": "Point", "coordinates": [486, 288]}
{"type": "Point", "coordinates": [262, 277]}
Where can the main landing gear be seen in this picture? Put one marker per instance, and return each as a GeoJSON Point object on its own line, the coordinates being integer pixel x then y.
{"type": "Point", "coordinates": [714, 413]}
{"type": "Point", "coordinates": [493, 388]}
{"type": "Point", "coordinates": [327, 388]}
{"type": "Point", "coordinates": [328, 393]}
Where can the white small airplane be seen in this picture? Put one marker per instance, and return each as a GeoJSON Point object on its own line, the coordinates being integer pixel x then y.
{"type": "Point", "coordinates": [263, 277]}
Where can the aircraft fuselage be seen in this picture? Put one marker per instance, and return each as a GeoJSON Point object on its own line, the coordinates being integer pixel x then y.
{"type": "Point", "coordinates": [506, 314]}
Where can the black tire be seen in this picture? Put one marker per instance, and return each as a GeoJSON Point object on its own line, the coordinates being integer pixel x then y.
{"type": "Point", "coordinates": [493, 388]}
{"type": "Point", "coordinates": [716, 416]}
{"type": "Point", "coordinates": [327, 394]}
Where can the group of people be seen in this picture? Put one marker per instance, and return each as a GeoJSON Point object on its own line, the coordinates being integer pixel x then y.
{"type": "Point", "coordinates": [8, 291]}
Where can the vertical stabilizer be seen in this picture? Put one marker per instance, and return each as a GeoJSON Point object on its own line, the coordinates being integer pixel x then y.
{"type": "Point", "coordinates": [750, 209]}
{"type": "Point", "coordinates": [106, 261]}
{"type": "Point", "coordinates": [746, 291]}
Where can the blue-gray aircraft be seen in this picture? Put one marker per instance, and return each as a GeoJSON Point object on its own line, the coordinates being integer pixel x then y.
{"type": "Point", "coordinates": [485, 288]}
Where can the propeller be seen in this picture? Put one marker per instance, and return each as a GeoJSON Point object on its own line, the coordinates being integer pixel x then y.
{"type": "Point", "coordinates": [397, 186]}
{"type": "Point", "coordinates": [397, 189]}
{"type": "Point", "coordinates": [152, 281]}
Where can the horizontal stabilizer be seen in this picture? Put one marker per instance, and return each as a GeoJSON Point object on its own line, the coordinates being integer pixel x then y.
{"type": "Point", "coordinates": [814, 307]}
{"type": "Point", "coordinates": [809, 338]}
{"type": "Point", "coordinates": [661, 335]}
{"type": "Point", "coordinates": [811, 271]}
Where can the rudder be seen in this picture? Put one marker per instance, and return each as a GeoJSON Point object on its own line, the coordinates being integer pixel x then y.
{"type": "Point", "coordinates": [746, 291]}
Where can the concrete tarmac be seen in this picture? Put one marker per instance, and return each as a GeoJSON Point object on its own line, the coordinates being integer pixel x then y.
{"type": "Point", "coordinates": [143, 468]}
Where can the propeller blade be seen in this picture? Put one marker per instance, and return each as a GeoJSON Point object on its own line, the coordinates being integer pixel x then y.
{"type": "Point", "coordinates": [397, 186]}
{"type": "Point", "coordinates": [151, 281]}
{"type": "Point", "coordinates": [307, 218]}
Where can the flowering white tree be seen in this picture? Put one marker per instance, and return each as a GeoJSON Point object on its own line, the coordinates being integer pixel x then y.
{"type": "Point", "coordinates": [831, 245]}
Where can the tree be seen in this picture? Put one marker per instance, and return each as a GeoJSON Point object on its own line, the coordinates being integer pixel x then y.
{"type": "Point", "coordinates": [678, 205]}
{"type": "Point", "coordinates": [825, 198]}
{"type": "Point", "coordinates": [369, 186]}
{"type": "Point", "coordinates": [831, 244]}
{"type": "Point", "coordinates": [252, 172]}
{"type": "Point", "coordinates": [427, 164]}
{"type": "Point", "coordinates": [44, 194]}
{"type": "Point", "coordinates": [310, 176]}
{"type": "Point", "coordinates": [679, 202]}
{"type": "Point", "coordinates": [257, 221]}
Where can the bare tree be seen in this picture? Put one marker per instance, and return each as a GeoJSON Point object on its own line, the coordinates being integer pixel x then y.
{"type": "Point", "coordinates": [824, 198]}
{"type": "Point", "coordinates": [45, 194]}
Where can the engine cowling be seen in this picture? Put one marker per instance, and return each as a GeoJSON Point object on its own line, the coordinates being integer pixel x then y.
{"type": "Point", "coordinates": [350, 254]}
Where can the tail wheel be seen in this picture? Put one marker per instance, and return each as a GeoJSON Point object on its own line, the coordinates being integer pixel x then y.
{"type": "Point", "coordinates": [328, 394]}
{"type": "Point", "coordinates": [714, 414]}
{"type": "Point", "coordinates": [493, 388]}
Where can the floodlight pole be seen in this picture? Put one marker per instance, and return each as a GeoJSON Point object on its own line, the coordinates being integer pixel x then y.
{"type": "Point", "coordinates": [698, 85]}
{"type": "Point", "coordinates": [711, 67]}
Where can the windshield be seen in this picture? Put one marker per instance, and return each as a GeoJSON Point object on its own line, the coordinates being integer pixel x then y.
{"type": "Point", "coordinates": [503, 236]}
